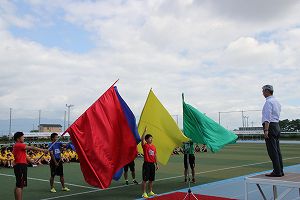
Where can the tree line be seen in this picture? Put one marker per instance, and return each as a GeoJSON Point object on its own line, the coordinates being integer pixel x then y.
{"type": "Point", "coordinates": [290, 125]}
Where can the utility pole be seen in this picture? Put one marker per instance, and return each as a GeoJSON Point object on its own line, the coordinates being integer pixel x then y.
{"type": "Point", "coordinates": [244, 121]}
{"type": "Point", "coordinates": [69, 108]}
{"type": "Point", "coordinates": [243, 118]}
{"type": "Point", "coordinates": [40, 113]}
{"type": "Point", "coordinates": [65, 116]}
{"type": "Point", "coordinates": [247, 121]}
{"type": "Point", "coordinates": [10, 114]}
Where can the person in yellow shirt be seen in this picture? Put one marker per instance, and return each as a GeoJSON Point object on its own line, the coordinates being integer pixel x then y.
{"type": "Point", "coordinates": [10, 159]}
{"type": "Point", "coordinates": [4, 158]}
{"type": "Point", "coordinates": [72, 155]}
{"type": "Point", "coordinates": [37, 159]}
{"type": "Point", "coordinates": [31, 155]}
{"type": "Point", "coordinates": [76, 157]}
{"type": "Point", "coordinates": [66, 156]}
{"type": "Point", "coordinates": [46, 159]}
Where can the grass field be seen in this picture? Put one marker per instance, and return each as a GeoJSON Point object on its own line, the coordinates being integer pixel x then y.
{"type": "Point", "coordinates": [234, 160]}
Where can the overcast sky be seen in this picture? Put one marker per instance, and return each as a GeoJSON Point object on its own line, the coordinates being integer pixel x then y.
{"type": "Point", "coordinates": [219, 53]}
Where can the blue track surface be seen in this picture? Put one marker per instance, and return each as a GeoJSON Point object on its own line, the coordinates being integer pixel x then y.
{"type": "Point", "coordinates": [234, 187]}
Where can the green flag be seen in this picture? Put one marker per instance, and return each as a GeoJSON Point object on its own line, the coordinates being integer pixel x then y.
{"type": "Point", "coordinates": [203, 130]}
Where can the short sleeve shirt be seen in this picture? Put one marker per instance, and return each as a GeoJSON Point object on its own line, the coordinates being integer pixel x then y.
{"type": "Point", "coordinates": [188, 148]}
{"type": "Point", "coordinates": [56, 150]}
{"type": "Point", "coordinates": [19, 152]}
{"type": "Point", "coordinates": [149, 153]}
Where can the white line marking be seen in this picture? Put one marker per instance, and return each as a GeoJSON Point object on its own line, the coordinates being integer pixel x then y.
{"type": "Point", "coordinates": [38, 179]}
{"type": "Point", "coordinates": [174, 177]}
{"type": "Point", "coordinates": [69, 195]}
{"type": "Point", "coordinates": [121, 186]}
{"type": "Point", "coordinates": [215, 170]}
{"type": "Point", "coordinates": [96, 190]}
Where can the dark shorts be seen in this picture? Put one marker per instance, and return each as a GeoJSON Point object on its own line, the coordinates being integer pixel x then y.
{"type": "Point", "coordinates": [148, 171]}
{"type": "Point", "coordinates": [21, 175]}
{"type": "Point", "coordinates": [131, 166]}
{"type": "Point", "coordinates": [191, 161]}
{"type": "Point", "coordinates": [56, 170]}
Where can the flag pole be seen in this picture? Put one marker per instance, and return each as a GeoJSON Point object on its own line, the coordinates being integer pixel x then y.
{"type": "Point", "coordinates": [114, 83]}
{"type": "Point", "coordinates": [145, 104]}
{"type": "Point", "coordinates": [62, 135]}
{"type": "Point", "coordinates": [189, 192]}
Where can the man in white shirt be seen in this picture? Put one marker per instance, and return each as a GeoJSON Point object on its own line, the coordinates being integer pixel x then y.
{"type": "Point", "coordinates": [270, 122]}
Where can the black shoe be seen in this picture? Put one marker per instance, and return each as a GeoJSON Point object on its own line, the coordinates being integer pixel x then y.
{"type": "Point", "coordinates": [126, 182]}
{"type": "Point", "coordinates": [135, 182]}
{"type": "Point", "coordinates": [273, 175]}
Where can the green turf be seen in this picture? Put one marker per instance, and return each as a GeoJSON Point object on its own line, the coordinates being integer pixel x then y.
{"type": "Point", "coordinates": [209, 166]}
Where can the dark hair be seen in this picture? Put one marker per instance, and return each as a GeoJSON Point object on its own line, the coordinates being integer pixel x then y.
{"type": "Point", "coordinates": [148, 136]}
{"type": "Point", "coordinates": [53, 135]}
{"type": "Point", "coordinates": [17, 135]}
{"type": "Point", "coordinates": [271, 92]}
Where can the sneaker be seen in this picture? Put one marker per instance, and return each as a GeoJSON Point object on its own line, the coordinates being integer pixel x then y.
{"type": "Point", "coordinates": [135, 182]}
{"type": "Point", "coordinates": [126, 182]}
{"type": "Point", "coordinates": [151, 194]}
{"type": "Point", "coordinates": [145, 196]}
{"type": "Point", "coordinates": [65, 189]}
{"type": "Point", "coordinates": [53, 190]}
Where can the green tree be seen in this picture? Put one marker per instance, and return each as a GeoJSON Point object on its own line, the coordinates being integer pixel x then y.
{"type": "Point", "coordinates": [292, 126]}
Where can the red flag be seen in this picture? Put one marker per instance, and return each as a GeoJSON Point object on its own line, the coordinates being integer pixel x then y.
{"type": "Point", "coordinates": [103, 140]}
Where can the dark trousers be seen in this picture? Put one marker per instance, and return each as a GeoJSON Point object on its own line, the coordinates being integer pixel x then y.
{"type": "Point", "coordinates": [273, 148]}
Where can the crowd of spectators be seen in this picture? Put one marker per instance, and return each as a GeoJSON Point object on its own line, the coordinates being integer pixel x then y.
{"type": "Point", "coordinates": [68, 154]}
{"type": "Point", "coordinates": [179, 150]}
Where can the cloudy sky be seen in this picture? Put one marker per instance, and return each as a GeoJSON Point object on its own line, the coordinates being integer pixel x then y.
{"type": "Point", "coordinates": [219, 53]}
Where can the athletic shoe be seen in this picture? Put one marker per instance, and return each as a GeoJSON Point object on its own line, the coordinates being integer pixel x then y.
{"type": "Point", "coordinates": [65, 189]}
{"type": "Point", "coordinates": [53, 190]}
{"type": "Point", "coordinates": [126, 182]}
{"type": "Point", "coordinates": [145, 196]}
{"type": "Point", "coordinates": [135, 182]}
{"type": "Point", "coordinates": [151, 194]}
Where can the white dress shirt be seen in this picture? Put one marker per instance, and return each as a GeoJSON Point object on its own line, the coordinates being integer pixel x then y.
{"type": "Point", "coordinates": [271, 110]}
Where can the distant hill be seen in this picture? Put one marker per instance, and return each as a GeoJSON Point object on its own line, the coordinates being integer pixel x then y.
{"type": "Point", "coordinates": [25, 125]}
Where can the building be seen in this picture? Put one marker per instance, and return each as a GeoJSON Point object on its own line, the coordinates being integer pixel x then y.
{"type": "Point", "coordinates": [50, 128]}
{"type": "Point", "coordinates": [249, 131]}
{"type": "Point", "coordinates": [31, 136]}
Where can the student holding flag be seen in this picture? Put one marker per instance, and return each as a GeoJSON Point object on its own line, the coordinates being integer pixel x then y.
{"type": "Point", "coordinates": [150, 164]}
{"type": "Point", "coordinates": [131, 166]}
{"type": "Point", "coordinates": [189, 159]}
{"type": "Point", "coordinates": [56, 165]}
{"type": "Point", "coordinates": [21, 160]}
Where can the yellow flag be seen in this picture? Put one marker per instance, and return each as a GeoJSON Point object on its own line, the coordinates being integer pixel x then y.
{"type": "Point", "coordinates": [160, 124]}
